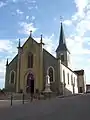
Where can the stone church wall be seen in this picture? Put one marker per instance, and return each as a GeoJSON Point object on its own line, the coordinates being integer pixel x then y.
{"type": "Point", "coordinates": [49, 60]}
{"type": "Point", "coordinates": [11, 67]}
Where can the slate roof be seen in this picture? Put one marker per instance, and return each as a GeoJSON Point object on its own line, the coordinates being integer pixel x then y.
{"type": "Point", "coordinates": [79, 72]}
{"type": "Point", "coordinates": [62, 42]}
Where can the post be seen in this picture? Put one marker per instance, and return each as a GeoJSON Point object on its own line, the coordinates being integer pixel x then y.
{"type": "Point", "coordinates": [38, 96]}
{"type": "Point", "coordinates": [11, 98]}
{"type": "Point", "coordinates": [23, 99]}
{"type": "Point", "coordinates": [31, 97]}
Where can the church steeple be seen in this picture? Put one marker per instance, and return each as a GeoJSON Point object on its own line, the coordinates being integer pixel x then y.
{"type": "Point", "coordinates": [62, 37]}
{"type": "Point", "coordinates": [62, 51]}
{"type": "Point", "coordinates": [62, 42]}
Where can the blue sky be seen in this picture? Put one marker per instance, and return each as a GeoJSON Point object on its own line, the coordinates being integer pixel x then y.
{"type": "Point", "coordinates": [18, 17]}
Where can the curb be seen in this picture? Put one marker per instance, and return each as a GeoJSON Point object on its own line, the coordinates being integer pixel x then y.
{"type": "Point", "coordinates": [63, 96]}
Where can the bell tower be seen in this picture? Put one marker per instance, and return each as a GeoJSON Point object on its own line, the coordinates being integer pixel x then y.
{"type": "Point", "coordinates": [62, 51]}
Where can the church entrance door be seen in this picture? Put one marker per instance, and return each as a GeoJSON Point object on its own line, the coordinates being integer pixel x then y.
{"type": "Point", "coordinates": [30, 83]}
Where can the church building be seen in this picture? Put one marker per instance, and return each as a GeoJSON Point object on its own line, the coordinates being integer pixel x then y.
{"type": "Point", "coordinates": [28, 70]}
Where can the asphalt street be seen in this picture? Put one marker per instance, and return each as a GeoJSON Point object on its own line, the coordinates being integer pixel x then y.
{"type": "Point", "coordinates": [7, 103]}
{"type": "Point", "coordinates": [69, 108]}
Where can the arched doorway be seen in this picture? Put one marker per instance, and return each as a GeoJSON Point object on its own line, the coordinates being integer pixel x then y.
{"type": "Point", "coordinates": [30, 83]}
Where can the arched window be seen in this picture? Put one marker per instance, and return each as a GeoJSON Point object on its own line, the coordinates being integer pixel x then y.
{"type": "Point", "coordinates": [68, 77]}
{"type": "Point", "coordinates": [74, 80]}
{"type": "Point", "coordinates": [51, 73]}
{"type": "Point", "coordinates": [71, 80]}
{"type": "Point", "coordinates": [30, 60]}
{"type": "Point", "coordinates": [12, 77]}
{"type": "Point", "coordinates": [63, 76]}
{"type": "Point", "coordinates": [62, 57]}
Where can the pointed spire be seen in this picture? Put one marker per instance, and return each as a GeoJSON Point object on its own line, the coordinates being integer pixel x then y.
{"type": "Point", "coordinates": [41, 41]}
{"type": "Point", "coordinates": [7, 62]}
{"type": "Point", "coordinates": [30, 33]}
{"type": "Point", "coordinates": [19, 44]}
{"type": "Point", "coordinates": [62, 42]}
{"type": "Point", "coordinates": [62, 37]}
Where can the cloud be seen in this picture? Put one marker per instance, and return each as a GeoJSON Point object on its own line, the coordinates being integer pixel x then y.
{"type": "Point", "coordinates": [2, 4]}
{"type": "Point", "coordinates": [30, 7]}
{"type": "Point", "coordinates": [14, 0]}
{"type": "Point", "coordinates": [5, 45]}
{"type": "Point", "coordinates": [26, 28]}
{"type": "Point", "coordinates": [76, 41]}
{"type": "Point", "coordinates": [31, 1]}
{"type": "Point", "coordinates": [33, 17]}
{"type": "Point", "coordinates": [7, 50]}
{"type": "Point", "coordinates": [19, 12]}
{"type": "Point", "coordinates": [49, 43]}
{"type": "Point", "coordinates": [27, 17]}
{"type": "Point", "coordinates": [81, 6]}
{"type": "Point", "coordinates": [67, 22]}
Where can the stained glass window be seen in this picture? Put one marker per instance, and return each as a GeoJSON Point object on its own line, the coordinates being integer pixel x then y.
{"type": "Point", "coordinates": [62, 57]}
{"type": "Point", "coordinates": [51, 74]}
{"type": "Point", "coordinates": [12, 77]}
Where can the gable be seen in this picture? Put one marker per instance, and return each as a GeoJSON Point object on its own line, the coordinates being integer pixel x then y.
{"type": "Point", "coordinates": [48, 54]}
{"type": "Point", "coordinates": [30, 44]}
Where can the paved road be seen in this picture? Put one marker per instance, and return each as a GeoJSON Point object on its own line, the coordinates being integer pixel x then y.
{"type": "Point", "coordinates": [7, 103]}
{"type": "Point", "coordinates": [70, 108]}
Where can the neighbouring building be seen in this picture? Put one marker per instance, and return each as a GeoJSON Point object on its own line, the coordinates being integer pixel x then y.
{"type": "Point", "coordinates": [87, 87]}
{"type": "Point", "coordinates": [81, 79]}
{"type": "Point", "coordinates": [28, 69]}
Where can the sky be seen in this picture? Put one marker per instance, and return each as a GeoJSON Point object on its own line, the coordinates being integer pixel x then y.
{"type": "Point", "coordinates": [18, 17]}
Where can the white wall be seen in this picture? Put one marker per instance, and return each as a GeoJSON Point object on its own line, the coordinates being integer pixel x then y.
{"type": "Point", "coordinates": [69, 85]}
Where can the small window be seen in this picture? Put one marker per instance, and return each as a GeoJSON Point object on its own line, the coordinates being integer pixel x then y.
{"type": "Point", "coordinates": [62, 57]}
{"type": "Point", "coordinates": [71, 80]}
{"type": "Point", "coordinates": [30, 60]}
{"type": "Point", "coordinates": [63, 76]}
{"type": "Point", "coordinates": [68, 77]}
{"type": "Point", "coordinates": [12, 77]}
{"type": "Point", "coordinates": [68, 58]}
{"type": "Point", "coordinates": [74, 80]}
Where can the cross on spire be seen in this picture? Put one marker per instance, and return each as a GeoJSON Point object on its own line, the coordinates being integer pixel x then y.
{"type": "Point", "coordinates": [61, 19]}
